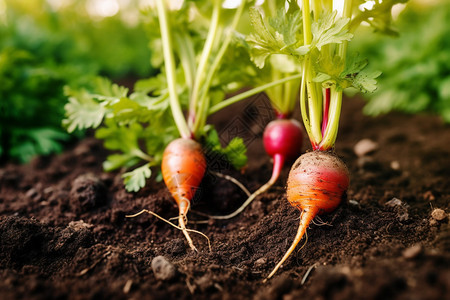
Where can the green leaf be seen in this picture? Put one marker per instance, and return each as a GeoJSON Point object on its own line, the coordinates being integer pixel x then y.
{"type": "Point", "coordinates": [262, 42]}
{"type": "Point", "coordinates": [106, 90]}
{"type": "Point", "coordinates": [235, 152]}
{"type": "Point", "coordinates": [123, 138]}
{"type": "Point", "coordinates": [116, 161]}
{"type": "Point", "coordinates": [127, 111]}
{"type": "Point", "coordinates": [331, 72]}
{"type": "Point", "coordinates": [48, 140]}
{"type": "Point", "coordinates": [135, 180]}
{"type": "Point", "coordinates": [28, 143]}
{"type": "Point", "coordinates": [82, 111]}
{"type": "Point", "coordinates": [87, 110]}
{"type": "Point", "coordinates": [288, 24]}
{"type": "Point", "coordinates": [358, 76]}
{"type": "Point", "coordinates": [365, 81]}
{"type": "Point", "coordinates": [379, 16]}
{"type": "Point", "coordinates": [153, 84]}
{"type": "Point", "coordinates": [330, 30]}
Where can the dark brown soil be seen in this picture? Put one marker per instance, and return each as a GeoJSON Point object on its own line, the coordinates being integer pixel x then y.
{"type": "Point", "coordinates": [64, 235]}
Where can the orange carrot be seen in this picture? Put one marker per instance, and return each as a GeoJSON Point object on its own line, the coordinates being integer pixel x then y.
{"type": "Point", "coordinates": [316, 184]}
{"type": "Point", "coordinates": [183, 167]}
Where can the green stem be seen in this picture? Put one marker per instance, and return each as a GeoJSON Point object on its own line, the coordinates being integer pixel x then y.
{"type": "Point", "coordinates": [303, 104]}
{"type": "Point", "coordinates": [287, 98]}
{"type": "Point", "coordinates": [142, 155]}
{"type": "Point", "coordinates": [249, 93]}
{"type": "Point", "coordinates": [169, 62]}
{"type": "Point", "coordinates": [187, 57]}
{"type": "Point", "coordinates": [204, 101]}
{"type": "Point", "coordinates": [330, 134]}
{"type": "Point", "coordinates": [206, 53]}
{"type": "Point", "coordinates": [291, 92]}
{"type": "Point", "coordinates": [317, 9]}
{"type": "Point", "coordinates": [307, 35]}
{"type": "Point", "coordinates": [347, 13]}
{"type": "Point", "coordinates": [314, 106]}
{"type": "Point", "coordinates": [277, 90]}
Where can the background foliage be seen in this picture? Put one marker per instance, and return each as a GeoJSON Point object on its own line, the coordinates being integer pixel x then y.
{"type": "Point", "coordinates": [44, 47]}
{"type": "Point", "coordinates": [415, 64]}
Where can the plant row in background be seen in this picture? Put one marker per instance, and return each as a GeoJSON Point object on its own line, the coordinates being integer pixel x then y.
{"type": "Point", "coordinates": [290, 50]}
{"type": "Point", "coordinates": [43, 50]}
{"type": "Point", "coordinates": [415, 64]}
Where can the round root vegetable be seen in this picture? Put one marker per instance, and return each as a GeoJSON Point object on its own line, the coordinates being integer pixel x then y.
{"type": "Point", "coordinates": [183, 167]}
{"type": "Point", "coordinates": [282, 140]}
{"type": "Point", "coordinates": [316, 185]}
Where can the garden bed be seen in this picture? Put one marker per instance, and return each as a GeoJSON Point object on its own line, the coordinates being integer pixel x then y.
{"type": "Point", "coordinates": [64, 234]}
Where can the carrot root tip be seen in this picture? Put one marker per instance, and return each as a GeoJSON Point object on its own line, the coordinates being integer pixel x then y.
{"type": "Point", "coordinates": [182, 219]}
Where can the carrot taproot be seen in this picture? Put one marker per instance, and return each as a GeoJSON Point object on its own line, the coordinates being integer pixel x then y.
{"type": "Point", "coordinates": [183, 167]}
{"type": "Point", "coordinates": [316, 185]}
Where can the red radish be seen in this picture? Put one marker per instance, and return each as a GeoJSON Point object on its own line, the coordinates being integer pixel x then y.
{"type": "Point", "coordinates": [316, 185]}
{"type": "Point", "coordinates": [183, 167]}
{"type": "Point", "coordinates": [282, 140]}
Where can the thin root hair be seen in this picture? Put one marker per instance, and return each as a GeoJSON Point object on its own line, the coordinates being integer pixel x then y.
{"type": "Point", "coordinates": [319, 222]}
{"type": "Point", "coordinates": [233, 180]}
{"type": "Point", "coordinates": [172, 224]}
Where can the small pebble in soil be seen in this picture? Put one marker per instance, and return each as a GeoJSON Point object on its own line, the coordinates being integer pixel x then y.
{"type": "Point", "coordinates": [163, 269]}
{"type": "Point", "coordinates": [433, 222]}
{"type": "Point", "coordinates": [127, 287]}
{"type": "Point", "coordinates": [395, 165]}
{"type": "Point", "coordinates": [260, 262]}
{"type": "Point", "coordinates": [413, 251]}
{"type": "Point", "coordinates": [438, 214]}
{"type": "Point", "coordinates": [365, 147]}
{"type": "Point", "coordinates": [87, 192]}
{"type": "Point", "coordinates": [400, 207]}
{"type": "Point", "coordinates": [428, 196]}
{"type": "Point", "coordinates": [204, 283]}
{"type": "Point", "coordinates": [354, 203]}
{"type": "Point", "coordinates": [33, 194]}
{"type": "Point", "coordinates": [79, 225]}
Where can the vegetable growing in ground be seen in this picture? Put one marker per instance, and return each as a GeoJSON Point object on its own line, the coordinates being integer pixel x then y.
{"type": "Point", "coordinates": [195, 41]}
{"type": "Point", "coordinates": [282, 138]}
{"type": "Point", "coordinates": [183, 166]}
{"type": "Point", "coordinates": [318, 180]}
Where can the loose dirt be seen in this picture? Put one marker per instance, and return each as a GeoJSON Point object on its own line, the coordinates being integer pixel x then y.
{"type": "Point", "coordinates": [64, 234]}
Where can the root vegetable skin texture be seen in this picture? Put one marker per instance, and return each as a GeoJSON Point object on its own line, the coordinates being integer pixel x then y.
{"type": "Point", "coordinates": [183, 167]}
{"type": "Point", "coordinates": [316, 185]}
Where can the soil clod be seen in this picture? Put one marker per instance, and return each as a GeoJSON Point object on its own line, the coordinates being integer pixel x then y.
{"type": "Point", "coordinates": [163, 269]}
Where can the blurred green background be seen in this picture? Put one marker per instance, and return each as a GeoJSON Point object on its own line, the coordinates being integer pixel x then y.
{"type": "Point", "coordinates": [415, 63]}
{"type": "Point", "coordinates": [48, 44]}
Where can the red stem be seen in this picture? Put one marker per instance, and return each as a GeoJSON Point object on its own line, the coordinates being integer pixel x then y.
{"type": "Point", "coordinates": [278, 162]}
{"type": "Point", "coordinates": [326, 108]}
{"type": "Point", "coordinates": [314, 145]}
{"type": "Point", "coordinates": [280, 115]}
